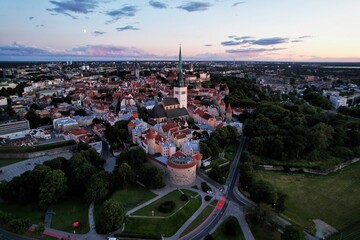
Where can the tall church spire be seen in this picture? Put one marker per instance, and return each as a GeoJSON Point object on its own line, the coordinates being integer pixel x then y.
{"type": "Point", "coordinates": [180, 75]}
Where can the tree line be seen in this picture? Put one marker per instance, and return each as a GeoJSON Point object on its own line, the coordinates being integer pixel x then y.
{"type": "Point", "coordinates": [290, 133]}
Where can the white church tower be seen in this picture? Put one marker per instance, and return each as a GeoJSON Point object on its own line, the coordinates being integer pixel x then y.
{"type": "Point", "coordinates": [180, 90]}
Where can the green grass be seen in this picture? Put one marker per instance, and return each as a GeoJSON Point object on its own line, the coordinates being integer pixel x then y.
{"type": "Point", "coordinates": [334, 198]}
{"type": "Point", "coordinates": [350, 233]}
{"type": "Point", "coordinates": [155, 227]}
{"type": "Point", "coordinates": [262, 231]}
{"type": "Point", "coordinates": [30, 211]}
{"type": "Point", "coordinates": [173, 196]}
{"type": "Point", "coordinates": [7, 161]}
{"type": "Point", "coordinates": [199, 219]}
{"type": "Point", "coordinates": [216, 162]}
{"type": "Point", "coordinates": [68, 211]}
{"type": "Point", "coordinates": [220, 232]}
{"type": "Point", "coordinates": [230, 151]}
{"type": "Point", "coordinates": [132, 196]}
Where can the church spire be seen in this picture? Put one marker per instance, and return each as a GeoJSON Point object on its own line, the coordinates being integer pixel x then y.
{"type": "Point", "coordinates": [180, 75]}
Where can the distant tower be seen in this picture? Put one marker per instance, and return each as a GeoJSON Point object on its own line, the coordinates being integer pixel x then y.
{"type": "Point", "coordinates": [228, 113]}
{"type": "Point", "coordinates": [222, 106]}
{"type": "Point", "coordinates": [180, 90]}
{"type": "Point", "coordinates": [137, 70]}
{"type": "Point", "coordinates": [151, 142]}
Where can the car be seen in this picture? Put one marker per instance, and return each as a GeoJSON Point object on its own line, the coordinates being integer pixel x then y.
{"type": "Point", "coordinates": [209, 192]}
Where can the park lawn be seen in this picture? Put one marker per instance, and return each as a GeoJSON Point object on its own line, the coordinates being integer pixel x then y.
{"type": "Point", "coordinates": [70, 210]}
{"type": "Point", "coordinates": [230, 151]}
{"type": "Point", "coordinates": [8, 161]}
{"type": "Point", "coordinates": [333, 198]}
{"type": "Point", "coordinates": [220, 232]}
{"type": "Point", "coordinates": [132, 196]}
{"type": "Point", "coordinates": [30, 211]}
{"type": "Point", "coordinates": [350, 233]}
{"type": "Point", "coordinates": [199, 219]}
{"type": "Point", "coordinates": [217, 162]}
{"type": "Point", "coordinates": [155, 227]}
{"type": "Point", "coordinates": [172, 196]}
{"type": "Point", "coordinates": [262, 231]}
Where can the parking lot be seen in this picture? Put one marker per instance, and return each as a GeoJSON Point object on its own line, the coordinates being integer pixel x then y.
{"type": "Point", "coordinates": [16, 169]}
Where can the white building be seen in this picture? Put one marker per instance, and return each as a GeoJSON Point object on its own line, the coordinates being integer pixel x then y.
{"type": "Point", "coordinates": [338, 101]}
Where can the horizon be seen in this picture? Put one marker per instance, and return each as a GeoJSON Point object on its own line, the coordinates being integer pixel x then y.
{"type": "Point", "coordinates": [209, 30]}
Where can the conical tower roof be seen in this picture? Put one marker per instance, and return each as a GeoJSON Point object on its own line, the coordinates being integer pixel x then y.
{"type": "Point", "coordinates": [229, 110]}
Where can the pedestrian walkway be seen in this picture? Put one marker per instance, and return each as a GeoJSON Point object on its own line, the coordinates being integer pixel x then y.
{"type": "Point", "coordinates": [48, 218]}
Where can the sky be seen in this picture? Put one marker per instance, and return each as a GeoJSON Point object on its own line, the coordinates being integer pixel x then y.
{"type": "Point", "coordinates": [249, 30]}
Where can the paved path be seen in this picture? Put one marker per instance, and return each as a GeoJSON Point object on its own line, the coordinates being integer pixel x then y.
{"type": "Point", "coordinates": [48, 218]}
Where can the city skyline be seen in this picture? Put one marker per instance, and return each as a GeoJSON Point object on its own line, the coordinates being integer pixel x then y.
{"type": "Point", "coordinates": [152, 30]}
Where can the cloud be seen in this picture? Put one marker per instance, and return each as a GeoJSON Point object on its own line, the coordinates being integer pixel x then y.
{"type": "Point", "coordinates": [21, 51]}
{"type": "Point", "coordinates": [208, 45]}
{"type": "Point", "coordinates": [31, 18]}
{"type": "Point", "coordinates": [109, 51]}
{"type": "Point", "coordinates": [157, 4]}
{"type": "Point", "coordinates": [237, 3]}
{"type": "Point", "coordinates": [305, 36]}
{"type": "Point", "coordinates": [40, 25]}
{"type": "Point", "coordinates": [242, 38]}
{"type": "Point", "coordinates": [297, 40]}
{"type": "Point", "coordinates": [270, 41]}
{"type": "Point", "coordinates": [127, 27]}
{"type": "Point", "coordinates": [66, 7]}
{"type": "Point", "coordinates": [253, 50]}
{"type": "Point", "coordinates": [98, 33]}
{"type": "Point", "coordinates": [125, 11]}
{"type": "Point", "coordinates": [236, 43]}
{"type": "Point", "coordinates": [195, 6]}
{"type": "Point", "coordinates": [18, 49]}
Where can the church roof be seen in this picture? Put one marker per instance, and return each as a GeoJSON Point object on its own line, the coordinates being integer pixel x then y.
{"type": "Point", "coordinates": [158, 111]}
{"type": "Point", "coordinates": [176, 113]}
{"type": "Point", "coordinates": [170, 101]}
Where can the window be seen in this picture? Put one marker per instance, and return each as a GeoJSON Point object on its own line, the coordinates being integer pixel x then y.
{"type": "Point", "coordinates": [176, 92]}
{"type": "Point", "coordinates": [183, 92]}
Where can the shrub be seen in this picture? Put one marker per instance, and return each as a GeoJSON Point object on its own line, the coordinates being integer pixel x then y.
{"type": "Point", "coordinates": [205, 187]}
{"type": "Point", "coordinates": [184, 197]}
{"type": "Point", "coordinates": [231, 227]}
{"type": "Point", "coordinates": [209, 237]}
{"type": "Point", "coordinates": [207, 198]}
{"type": "Point", "coordinates": [167, 207]}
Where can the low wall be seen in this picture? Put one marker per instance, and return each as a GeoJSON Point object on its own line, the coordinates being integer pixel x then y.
{"type": "Point", "coordinates": [309, 170]}
{"type": "Point", "coordinates": [39, 153]}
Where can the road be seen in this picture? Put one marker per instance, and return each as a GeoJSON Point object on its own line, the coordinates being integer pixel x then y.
{"type": "Point", "coordinates": [234, 199]}
{"type": "Point", "coordinates": [228, 196]}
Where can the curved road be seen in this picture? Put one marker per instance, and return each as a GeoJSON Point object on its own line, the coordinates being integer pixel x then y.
{"type": "Point", "coordinates": [228, 195]}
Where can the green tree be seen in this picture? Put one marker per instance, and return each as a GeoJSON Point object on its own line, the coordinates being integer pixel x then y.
{"type": "Point", "coordinates": [111, 216]}
{"type": "Point", "coordinates": [280, 202]}
{"type": "Point", "coordinates": [126, 174]}
{"type": "Point", "coordinates": [33, 118]}
{"type": "Point", "coordinates": [40, 228]}
{"type": "Point", "coordinates": [53, 188]}
{"type": "Point", "coordinates": [96, 189]}
{"type": "Point", "coordinates": [205, 150]}
{"type": "Point", "coordinates": [292, 232]}
{"type": "Point", "coordinates": [262, 191]}
{"type": "Point", "coordinates": [231, 226]}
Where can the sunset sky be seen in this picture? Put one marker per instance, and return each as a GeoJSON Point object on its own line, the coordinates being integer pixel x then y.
{"type": "Point", "coordinates": [279, 30]}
